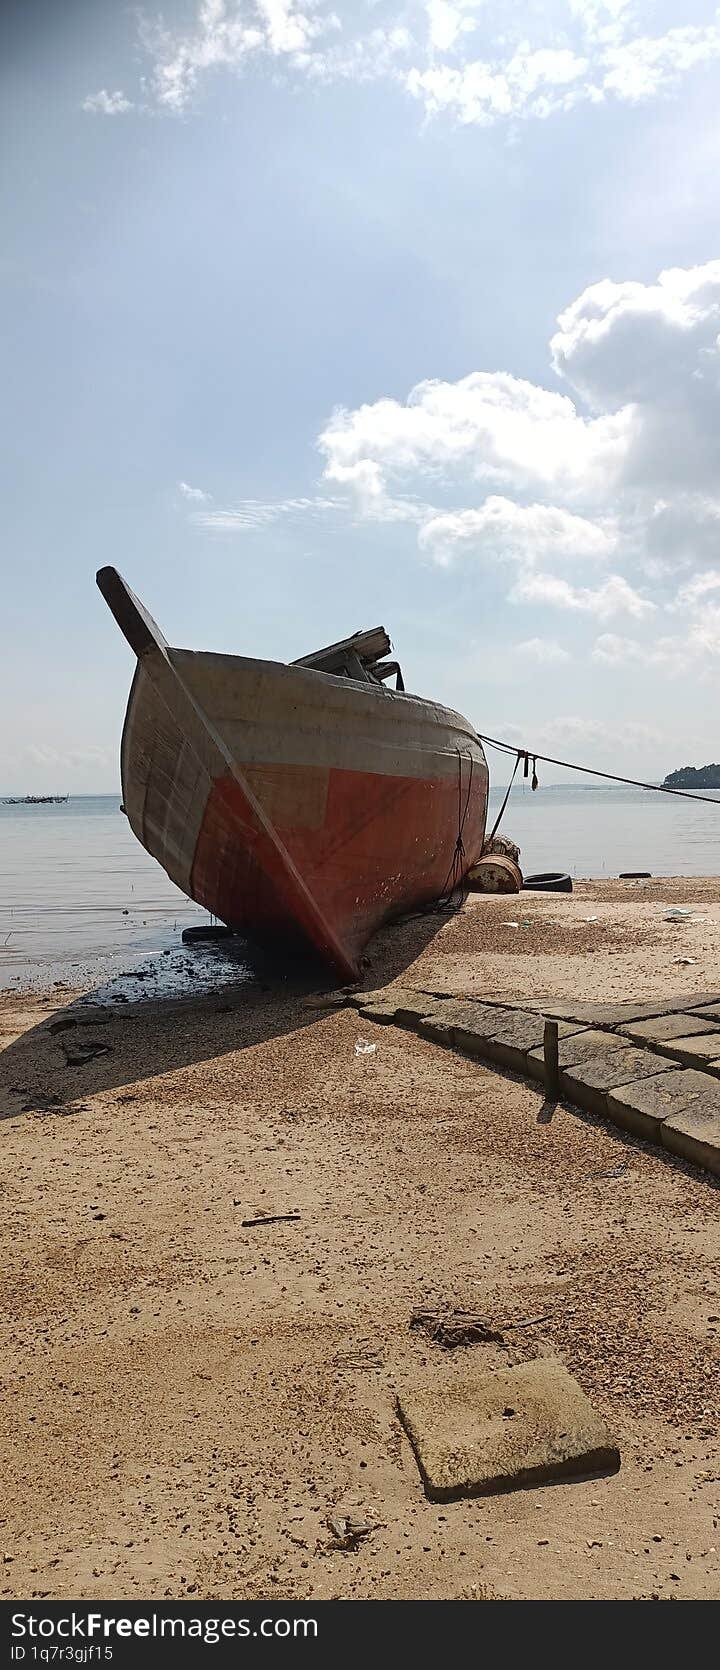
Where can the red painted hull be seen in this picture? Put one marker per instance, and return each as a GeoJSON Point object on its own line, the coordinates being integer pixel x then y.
{"type": "Point", "coordinates": [294, 805]}
{"type": "Point", "coordinates": [386, 844]}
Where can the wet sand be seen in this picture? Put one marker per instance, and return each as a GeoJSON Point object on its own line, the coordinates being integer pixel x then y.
{"type": "Point", "coordinates": [186, 1400]}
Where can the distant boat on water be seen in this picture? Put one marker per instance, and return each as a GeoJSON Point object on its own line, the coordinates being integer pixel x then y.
{"type": "Point", "coordinates": [298, 803]}
{"type": "Point", "coordinates": [37, 800]}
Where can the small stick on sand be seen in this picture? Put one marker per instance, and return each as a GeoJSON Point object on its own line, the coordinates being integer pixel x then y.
{"type": "Point", "coordinates": [531, 1321]}
{"type": "Point", "coordinates": [279, 1218]}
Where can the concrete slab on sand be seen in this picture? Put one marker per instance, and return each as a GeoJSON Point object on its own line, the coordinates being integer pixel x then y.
{"type": "Point", "coordinates": [587, 1083]}
{"type": "Point", "coordinates": [695, 1135]}
{"type": "Point", "coordinates": [616, 1014]}
{"type": "Point", "coordinates": [577, 1047]}
{"type": "Point", "coordinates": [703, 1050]}
{"type": "Point", "coordinates": [478, 1434]}
{"type": "Point", "coordinates": [666, 1027]}
{"type": "Point", "coordinates": [462, 1023]}
{"type": "Point", "coordinates": [502, 1036]}
{"type": "Point", "coordinates": [384, 1007]}
{"type": "Point", "coordinates": [644, 1106]}
{"type": "Point", "coordinates": [517, 1041]}
{"type": "Point", "coordinates": [603, 1068]}
{"type": "Point", "coordinates": [709, 1011]}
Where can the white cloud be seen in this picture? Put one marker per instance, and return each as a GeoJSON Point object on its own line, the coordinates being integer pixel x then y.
{"type": "Point", "coordinates": [228, 35]}
{"type": "Point", "coordinates": [614, 597]}
{"type": "Point", "coordinates": [57, 765]}
{"type": "Point", "coordinates": [681, 532]}
{"type": "Point", "coordinates": [574, 733]}
{"type": "Point", "coordinates": [653, 349]}
{"type": "Point", "coordinates": [639, 69]}
{"type": "Point", "coordinates": [690, 595]}
{"type": "Point", "coordinates": [494, 469]}
{"type": "Point", "coordinates": [528, 84]}
{"type": "Point", "coordinates": [446, 22]}
{"type": "Point", "coordinates": [490, 426]}
{"type": "Point", "coordinates": [691, 652]}
{"type": "Point", "coordinates": [546, 79]}
{"type": "Point", "coordinates": [619, 343]}
{"type": "Point", "coordinates": [477, 63]}
{"type": "Point", "coordinates": [615, 651]}
{"type": "Point", "coordinates": [527, 533]}
{"type": "Point", "coordinates": [251, 515]}
{"type": "Point", "coordinates": [107, 104]}
{"type": "Point", "coordinates": [601, 19]}
{"type": "Point", "coordinates": [544, 650]}
{"type": "Point", "coordinates": [645, 357]}
{"type": "Point", "coordinates": [523, 473]}
{"type": "Point", "coordinates": [94, 758]}
{"type": "Point", "coordinates": [704, 634]}
{"type": "Point", "coordinates": [195, 494]}
{"type": "Point", "coordinates": [572, 728]}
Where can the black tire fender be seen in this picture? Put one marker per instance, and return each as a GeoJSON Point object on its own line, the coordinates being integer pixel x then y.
{"type": "Point", "coordinates": [548, 881]}
{"type": "Point", "coordinates": [207, 931]}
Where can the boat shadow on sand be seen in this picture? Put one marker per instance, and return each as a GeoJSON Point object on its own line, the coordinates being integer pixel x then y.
{"type": "Point", "coordinates": [200, 1006]}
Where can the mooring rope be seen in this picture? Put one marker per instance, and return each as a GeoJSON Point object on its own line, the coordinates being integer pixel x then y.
{"type": "Point", "coordinates": [494, 829]}
{"type": "Point", "coordinates": [456, 874]}
{"type": "Point", "coordinates": [528, 754]}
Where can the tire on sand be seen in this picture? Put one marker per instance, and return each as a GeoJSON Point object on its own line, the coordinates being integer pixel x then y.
{"type": "Point", "coordinates": [548, 881]}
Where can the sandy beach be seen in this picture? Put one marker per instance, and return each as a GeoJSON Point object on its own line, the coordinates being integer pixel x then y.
{"type": "Point", "coordinates": [187, 1400]}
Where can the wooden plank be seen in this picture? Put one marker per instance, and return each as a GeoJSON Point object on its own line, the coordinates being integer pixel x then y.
{"type": "Point", "coordinates": [367, 646]}
{"type": "Point", "coordinates": [136, 624]}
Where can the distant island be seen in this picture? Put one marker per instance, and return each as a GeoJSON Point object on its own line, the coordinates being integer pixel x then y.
{"type": "Point", "coordinates": [693, 777]}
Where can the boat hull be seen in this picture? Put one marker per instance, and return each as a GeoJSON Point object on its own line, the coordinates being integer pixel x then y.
{"type": "Point", "coordinates": [296, 806]}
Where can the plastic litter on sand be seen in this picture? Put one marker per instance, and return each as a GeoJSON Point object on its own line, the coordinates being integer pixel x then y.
{"type": "Point", "coordinates": [362, 1047]}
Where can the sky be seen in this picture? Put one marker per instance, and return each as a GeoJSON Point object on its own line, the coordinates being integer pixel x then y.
{"type": "Point", "coordinates": [319, 316]}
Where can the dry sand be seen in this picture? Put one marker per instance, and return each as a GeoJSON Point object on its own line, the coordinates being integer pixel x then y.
{"type": "Point", "coordinates": [187, 1400]}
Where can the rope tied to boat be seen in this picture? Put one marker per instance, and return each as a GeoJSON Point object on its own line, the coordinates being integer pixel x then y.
{"type": "Point", "coordinates": [520, 754]}
{"type": "Point", "coordinates": [587, 770]}
{"type": "Point", "coordinates": [456, 874]}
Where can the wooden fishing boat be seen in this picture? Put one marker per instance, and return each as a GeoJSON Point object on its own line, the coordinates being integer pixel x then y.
{"type": "Point", "coordinates": [303, 803]}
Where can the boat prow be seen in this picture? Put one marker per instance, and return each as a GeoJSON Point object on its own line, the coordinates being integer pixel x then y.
{"type": "Point", "coordinates": [303, 803]}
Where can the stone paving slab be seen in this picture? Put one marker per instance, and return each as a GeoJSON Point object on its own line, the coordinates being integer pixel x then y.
{"type": "Point", "coordinates": [449, 1022]}
{"type": "Point", "coordinates": [699, 1001]}
{"type": "Point", "coordinates": [581, 1046]}
{"type": "Point", "coordinates": [615, 1014]}
{"type": "Point", "coordinates": [411, 1011]}
{"type": "Point", "coordinates": [601, 1014]}
{"type": "Point", "coordinates": [695, 1134]}
{"type": "Point", "coordinates": [478, 1434]}
{"type": "Point", "coordinates": [643, 1107]}
{"type": "Point", "coordinates": [710, 1011]}
{"type": "Point", "coordinates": [587, 1084]}
{"type": "Point", "coordinates": [382, 1006]}
{"type": "Point", "coordinates": [482, 1002]}
{"type": "Point", "coordinates": [674, 1082]}
{"type": "Point", "coordinates": [666, 1027]}
{"type": "Point", "coordinates": [700, 1051]}
{"type": "Point", "coordinates": [518, 1042]}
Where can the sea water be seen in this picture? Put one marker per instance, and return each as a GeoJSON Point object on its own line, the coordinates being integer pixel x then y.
{"type": "Point", "coordinates": [79, 894]}
{"type": "Point", "coordinates": [80, 897]}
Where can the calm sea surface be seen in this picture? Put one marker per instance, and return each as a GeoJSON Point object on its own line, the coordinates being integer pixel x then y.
{"type": "Point", "coordinates": [79, 896]}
